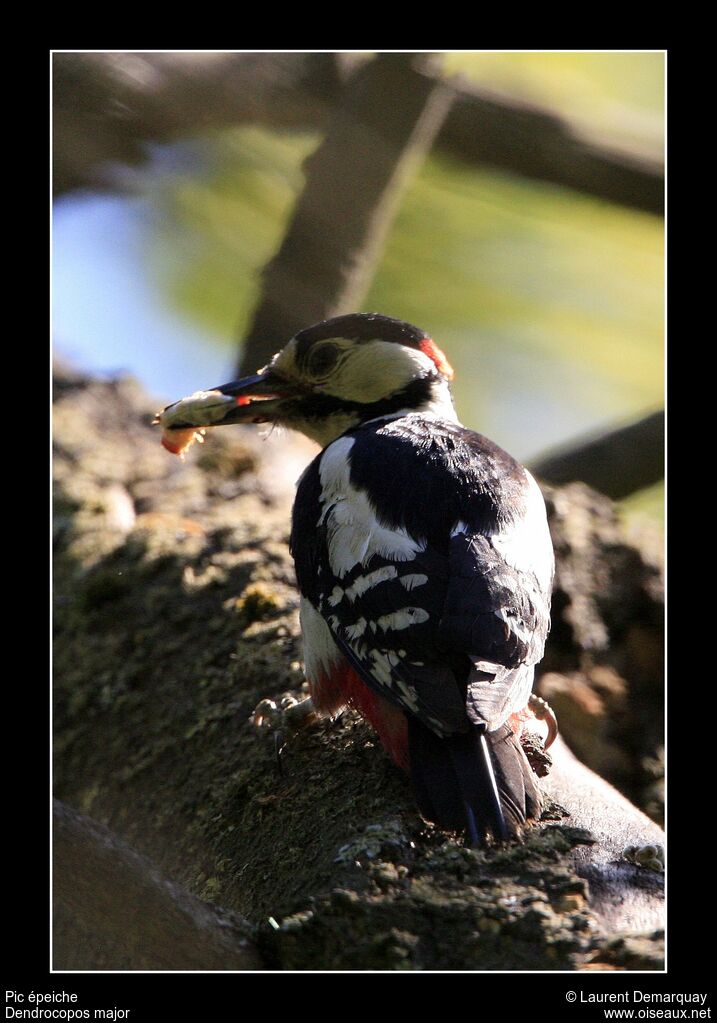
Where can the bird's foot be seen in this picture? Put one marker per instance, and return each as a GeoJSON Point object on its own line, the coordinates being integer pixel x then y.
{"type": "Point", "coordinates": [535, 746]}
{"type": "Point", "coordinates": [289, 713]}
{"type": "Point", "coordinates": [284, 719]}
{"type": "Point", "coordinates": [542, 710]}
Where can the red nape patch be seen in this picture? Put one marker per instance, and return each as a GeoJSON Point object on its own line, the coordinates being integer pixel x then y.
{"type": "Point", "coordinates": [243, 400]}
{"type": "Point", "coordinates": [345, 686]}
{"type": "Point", "coordinates": [437, 357]}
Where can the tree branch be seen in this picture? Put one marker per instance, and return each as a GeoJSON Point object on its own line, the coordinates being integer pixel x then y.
{"type": "Point", "coordinates": [107, 105]}
{"type": "Point", "coordinates": [354, 181]}
{"type": "Point", "coordinates": [617, 463]}
{"type": "Point", "coordinates": [114, 909]}
{"type": "Point", "coordinates": [524, 139]}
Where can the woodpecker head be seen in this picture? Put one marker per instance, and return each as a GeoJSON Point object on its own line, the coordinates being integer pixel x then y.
{"type": "Point", "coordinates": [328, 379]}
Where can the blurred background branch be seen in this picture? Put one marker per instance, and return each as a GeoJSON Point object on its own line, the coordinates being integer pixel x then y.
{"type": "Point", "coordinates": [524, 139]}
{"type": "Point", "coordinates": [617, 463]}
{"type": "Point", "coordinates": [108, 104]}
{"type": "Point", "coordinates": [354, 183]}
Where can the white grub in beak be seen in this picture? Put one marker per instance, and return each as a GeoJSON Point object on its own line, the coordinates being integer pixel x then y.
{"type": "Point", "coordinates": [186, 421]}
{"type": "Point", "coordinates": [183, 422]}
{"type": "Point", "coordinates": [177, 441]}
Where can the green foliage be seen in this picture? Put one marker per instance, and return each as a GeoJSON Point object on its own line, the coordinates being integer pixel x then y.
{"type": "Point", "coordinates": [217, 229]}
{"type": "Point", "coordinates": [617, 96]}
{"type": "Point", "coordinates": [510, 271]}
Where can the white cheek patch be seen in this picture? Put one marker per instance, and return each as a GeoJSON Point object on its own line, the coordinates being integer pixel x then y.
{"type": "Point", "coordinates": [376, 369]}
{"type": "Point", "coordinates": [285, 360]}
{"type": "Point", "coordinates": [355, 534]}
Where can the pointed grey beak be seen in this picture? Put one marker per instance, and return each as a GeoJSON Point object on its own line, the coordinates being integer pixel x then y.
{"type": "Point", "coordinates": [255, 398]}
{"type": "Point", "coordinates": [252, 399]}
{"type": "Point", "coordinates": [259, 384]}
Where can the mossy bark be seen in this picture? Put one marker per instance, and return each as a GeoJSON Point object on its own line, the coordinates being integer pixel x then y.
{"type": "Point", "coordinates": [176, 612]}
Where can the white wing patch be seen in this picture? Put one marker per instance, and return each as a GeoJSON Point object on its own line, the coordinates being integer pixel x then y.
{"type": "Point", "coordinates": [320, 650]}
{"type": "Point", "coordinates": [412, 581]}
{"type": "Point", "coordinates": [366, 582]}
{"type": "Point", "coordinates": [402, 619]}
{"type": "Point", "coordinates": [354, 532]}
{"type": "Point", "coordinates": [334, 471]}
{"type": "Point", "coordinates": [526, 544]}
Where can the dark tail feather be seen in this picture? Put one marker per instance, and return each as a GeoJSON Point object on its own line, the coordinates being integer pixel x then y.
{"type": "Point", "coordinates": [473, 770]}
{"type": "Point", "coordinates": [519, 792]}
{"type": "Point", "coordinates": [477, 781]}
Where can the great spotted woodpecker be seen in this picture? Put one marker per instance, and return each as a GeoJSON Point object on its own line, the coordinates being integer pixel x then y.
{"type": "Point", "coordinates": [422, 555]}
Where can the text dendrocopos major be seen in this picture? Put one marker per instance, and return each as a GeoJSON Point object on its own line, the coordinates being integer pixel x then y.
{"type": "Point", "coordinates": [422, 554]}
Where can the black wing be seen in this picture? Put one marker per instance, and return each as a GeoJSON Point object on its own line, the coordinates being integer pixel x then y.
{"type": "Point", "coordinates": [449, 630]}
{"type": "Point", "coordinates": [500, 615]}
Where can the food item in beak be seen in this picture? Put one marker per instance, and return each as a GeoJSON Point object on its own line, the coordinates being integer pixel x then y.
{"type": "Point", "coordinates": [186, 421]}
{"type": "Point", "coordinates": [177, 441]}
{"type": "Point", "coordinates": [191, 415]}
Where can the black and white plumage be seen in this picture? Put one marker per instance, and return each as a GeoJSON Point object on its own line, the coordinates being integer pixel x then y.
{"type": "Point", "coordinates": [424, 562]}
{"type": "Point", "coordinates": [433, 575]}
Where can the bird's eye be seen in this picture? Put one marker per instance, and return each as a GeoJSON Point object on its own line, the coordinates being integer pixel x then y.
{"type": "Point", "coordinates": [322, 360]}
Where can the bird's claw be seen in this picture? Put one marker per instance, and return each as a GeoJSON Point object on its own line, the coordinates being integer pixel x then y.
{"type": "Point", "coordinates": [288, 715]}
{"type": "Point", "coordinates": [542, 710]}
{"type": "Point", "coordinates": [268, 715]}
{"type": "Point", "coordinates": [283, 719]}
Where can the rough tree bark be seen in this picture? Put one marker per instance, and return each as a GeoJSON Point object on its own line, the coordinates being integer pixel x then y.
{"type": "Point", "coordinates": [176, 612]}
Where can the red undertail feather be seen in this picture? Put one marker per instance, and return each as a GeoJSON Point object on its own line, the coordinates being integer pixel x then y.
{"type": "Point", "coordinates": [343, 686]}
